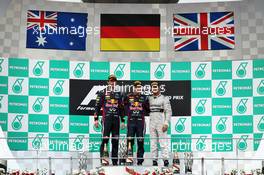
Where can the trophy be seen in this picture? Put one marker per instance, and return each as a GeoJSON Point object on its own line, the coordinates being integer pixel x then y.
{"type": "Point", "coordinates": [122, 150]}
{"type": "Point", "coordinates": [43, 171]}
{"type": "Point", "coordinates": [83, 160]}
{"type": "Point", "coordinates": [105, 157]}
{"type": "Point", "coordinates": [176, 163]}
{"type": "Point", "coordinates": [262, 171]}
{"type": "Point", "coordinates": [188, 162]}
{"type": "Point", "coordinates": [3, 167]}
{"type": "Point", "coordinates": [129, 160]}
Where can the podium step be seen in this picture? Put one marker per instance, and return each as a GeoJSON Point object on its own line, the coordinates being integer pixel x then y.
{"type": "Point", "coordinates": [137, 170]}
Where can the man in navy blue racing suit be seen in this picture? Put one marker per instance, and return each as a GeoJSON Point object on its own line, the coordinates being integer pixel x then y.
{"type": "Point", "coordinates": [111, 102]}
{"type": "Point", "coordinates": [136, 107]}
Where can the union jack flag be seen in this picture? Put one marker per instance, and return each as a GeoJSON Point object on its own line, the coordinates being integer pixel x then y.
{"type": "Point", "coordinates": [204, 31]}
{"type": "Point", "coordinates": [41, 19]}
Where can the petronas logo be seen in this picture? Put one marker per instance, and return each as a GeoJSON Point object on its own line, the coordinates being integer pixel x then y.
{"type": "Point", "coordinates": [78, 70]}
{"type": "Point", "coordinates": [200, 73]}
{"type": "Point", "coordinates": [99, 128]}
{"type": "Point", "coordinates": [221, 124]}
{"type": "Point", "coordinates": [16, 124]}
{"type": "Point", "coordinates": [260, 88]}
{"type": "Point", "coordinates": [37, 142]}
{"type": "Point", "coordinates": [58, 89]}
{"type": "Point", "coordinates": [1, 61]}
{"type": "Point", "coordinates": [119, 71]}
{"type": "Point", "coordinates": [58, 125]}
{"type": "Point", "coordinates": [242, 107]}
{"type": "Point", "coordinates": [180, 127]}
{"type": "Point", "coordinates": [37, 106]}
{"type": "Point", "coordinates": [17, 86]}
{"type": "Point", "coordinates": [241, 70]}
{"type": "Point", "coordinates": [220, 89]}
{"type": "Point", "coordinates": [159, 72]}
{"type": "Point", "coordinates": [261, 124]}
{"type": "Point", "coordinates": [78, 142]}
{"type": "Point", "coordinates": [200, 107]}
{"type": "Point", "coordinates": [242, 143]}
{"type": "Point", "coordinates": [200, 144]}
{"type": "Point", "coordinates": [38, 70]}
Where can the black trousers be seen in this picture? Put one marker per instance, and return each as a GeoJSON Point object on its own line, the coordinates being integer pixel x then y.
{"type": "Point", "coordinates": [111, 125]}
{"type": "Point", "coordinates": [136, 128]}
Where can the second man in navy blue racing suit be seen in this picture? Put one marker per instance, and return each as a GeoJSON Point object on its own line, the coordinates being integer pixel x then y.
{"type": "Point", "coordinates": [111, 103]}
{"type": "Point", "coordinates": [136, 107]}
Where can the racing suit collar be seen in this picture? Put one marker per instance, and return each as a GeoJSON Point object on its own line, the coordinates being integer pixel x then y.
{"type": "Point", "coordinates": [136, 93]}
{"type": "Point", "coordinates": [157, 95]}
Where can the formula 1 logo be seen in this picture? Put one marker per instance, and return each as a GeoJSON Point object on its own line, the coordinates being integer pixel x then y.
{"type": "Point", "coordinates": [83, 94]}
{"type": "Point", "coordinates": [92, 94]}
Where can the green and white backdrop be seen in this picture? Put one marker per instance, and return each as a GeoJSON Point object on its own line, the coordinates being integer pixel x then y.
{"type": "Point", "coordinates": [249, 38]}
{"type": "Point", "coordinates": [226, 97]}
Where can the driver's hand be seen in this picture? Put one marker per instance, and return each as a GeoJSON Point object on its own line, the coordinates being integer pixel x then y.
{"type": "Point", "coordinates": [123, 126]}
{"type": "Point", "coordinates": [164, 128]}
{"type": "Point", "coordinates": [96, 123]}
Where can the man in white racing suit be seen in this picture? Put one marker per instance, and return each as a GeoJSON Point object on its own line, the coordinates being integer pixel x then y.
{"type": "Point", "coordinates": [160, 116]}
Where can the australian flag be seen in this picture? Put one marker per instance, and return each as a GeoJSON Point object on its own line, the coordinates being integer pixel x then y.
{"type": "Point", "coordinates": [204, 31]}
{"type": "Point", "coordinates": [56, 30]}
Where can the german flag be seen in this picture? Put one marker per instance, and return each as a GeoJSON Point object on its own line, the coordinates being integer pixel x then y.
{"type": "Point", "coordinates": [130, 32]}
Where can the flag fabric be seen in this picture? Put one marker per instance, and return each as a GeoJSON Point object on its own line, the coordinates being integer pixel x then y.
{"type": "Point", "coordinates": [204, 31]}
{"type": "Point", "coordinates": [130, 32]}
{"type": "Point", "coordinates": [56, 30]}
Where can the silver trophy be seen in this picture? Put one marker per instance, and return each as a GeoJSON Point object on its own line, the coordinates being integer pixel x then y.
{"type": "Point", "coordinates": [262, 171]}
{"type": "Point", "coordinates": [83, 160]}
{"type": "Point", "coordinates": [122, 151]}
{"type": "Point", "coordinates": [43, 171]}
{"type": "Point", "coordinates": [188, 162]}
{"type": "Point", "coordinates": [176, 163]}
{"type": "Point", "coordinates": [3, 167]}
